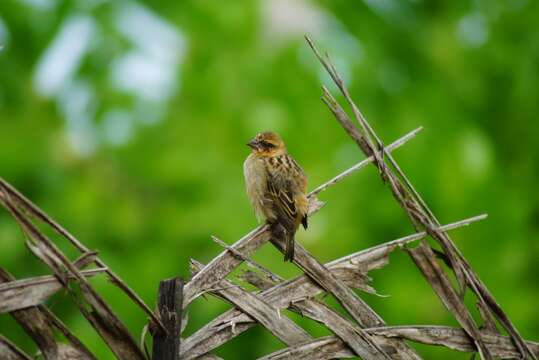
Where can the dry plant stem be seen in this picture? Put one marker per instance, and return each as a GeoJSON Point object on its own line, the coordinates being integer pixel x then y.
{"type": "Point", "coordinates": [41, 215]}
{"type": "Point", "coordinates": [346, 330]}
{"type": "Point", "coordinates": [74, 342]}
{"type": "Point", "coordinates": [20, 294]}
{"type": "Point", "coordinates": [209, 357]}
{"type": "Point", "coordinates": [426, 262]}
{"type": "Point", "coordinates": [489, 323]}
{"type": "Point", "coordinates": [356, 307]}
{"type": "Point", "coordinates": [416, 208]}
{"type": "Point", "coordinates": [85, 259]}
{"type": "Point", "coordinates": [366, 143]}
{"type": "Point", "coordinates": [331, 347]}
{"type": "Point", "coordinates": [393, 146]}
{"type": "Point", "coordinates": [456, 339]}
{"type": "Point", "coordinates": [9, 351]}
{"type": "Point", "coordinates": [91, 305]}
{"type": "Point", "coordinates": [360, 256]}
{"type": "Point", "coordinates": [417, 218]}
{"type": "Point", "coordinates": [281, 326]}
{"type": "Point", "coordinates": [246, 259]}
{"type": "Point", "coordinates": [42, 326]}
{"type": "Point", "coordinates": [225, 262]}
{"type": "Point", "coordinates": [166, 346]}
{"type": "Point", "coordinates": [233, 322]}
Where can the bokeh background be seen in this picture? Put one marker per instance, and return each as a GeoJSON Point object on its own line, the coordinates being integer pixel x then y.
{"type": "Point", "coordinates": [127, 122]}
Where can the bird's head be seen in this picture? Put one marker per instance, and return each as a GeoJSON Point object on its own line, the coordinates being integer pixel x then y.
{"type": "Point", "coordinates": [267, 144]}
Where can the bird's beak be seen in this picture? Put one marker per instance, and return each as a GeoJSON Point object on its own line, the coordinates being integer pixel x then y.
{"type": "Point", "coordinates": [253, 144]}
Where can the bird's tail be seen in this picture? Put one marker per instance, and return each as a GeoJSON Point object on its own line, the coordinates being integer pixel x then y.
{"type": "Point", "coordinates": [285, 232]}
{"type": "Point", "coordinates": [289, 246]}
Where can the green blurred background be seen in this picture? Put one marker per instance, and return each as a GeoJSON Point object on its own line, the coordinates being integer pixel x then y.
{"type": "Point", "coordinates": [127, 122]}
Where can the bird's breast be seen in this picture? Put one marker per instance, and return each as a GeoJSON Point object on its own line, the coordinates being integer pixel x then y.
{"type": "Point", "coordinates": [255, 173]}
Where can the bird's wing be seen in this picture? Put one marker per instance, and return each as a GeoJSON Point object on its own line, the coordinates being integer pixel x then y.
{"type": "Point", "coordinates": [282, 198]}
{"type": "Point", "coordinates": [301, 200]}
{"type": "Point", "coordinates": [286, 181]}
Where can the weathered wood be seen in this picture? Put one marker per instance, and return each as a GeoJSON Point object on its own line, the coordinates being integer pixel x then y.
{"type": "Point", "coordinates": [500, 346]}
{"type": "Point", "coordinates": [111, 329]}
{"type": "Point", "coordinates": [234, 322]}
{"type": "Point", "coordinates": [223, 264]}
{"type": "Point", "coordinates": [355, 306]}
{"type": "Point", "coordinates": [209, 357]}
{"type": "Point", "coordinates": [166, 346]}
{"type": "Point", "coordinates": [9, 193]}
{"type": "Point", "coordinates": [20, 294]}
{"type": "Point", "coordinates": [374, 257]}
{"type": "Point", "coordinates": [409, 201]}
{"type": "Point", "coordinates": [329, 347]}
{"type": "Point", "coordinates": [90, 304]}
{"type": "Point", "coordinates": [9, 351]}
{"type": "Point", "coordinates": [425, 260]}
{"type": "Point", "coordinates": [267, 315]}
{"type": "Point", "coordinates": [42, 326]}
{"type": "Point", "coordinates": [417, 210]}
{"type": "Point", "coordinates": [490, 303]}
{"type": "Point", "coordinates": [346, 330]}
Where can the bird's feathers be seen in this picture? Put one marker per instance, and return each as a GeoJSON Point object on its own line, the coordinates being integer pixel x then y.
{"type": "Point", "coordinates": [283, 200]}
{"type": "Point", "coordinates": [305, 222]}
{"type": "Point", "coordinates": [276, 186]}
{"type": "Point", "coordinates": [286, 187]}
{"type": "Point", "coordinates": [256, 181]}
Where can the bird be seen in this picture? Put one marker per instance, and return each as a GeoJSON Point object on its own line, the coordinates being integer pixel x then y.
{"type": "Point", "coordinates": [276, 187]}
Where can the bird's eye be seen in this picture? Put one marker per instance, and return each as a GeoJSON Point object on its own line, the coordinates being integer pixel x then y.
{"type": "Point", "coordinates": [267, 145]}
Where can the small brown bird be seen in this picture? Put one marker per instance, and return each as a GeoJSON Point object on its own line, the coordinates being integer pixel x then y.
{"type": "Point", "coordinates": [276, 186]}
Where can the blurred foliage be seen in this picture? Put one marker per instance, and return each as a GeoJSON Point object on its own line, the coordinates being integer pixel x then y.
{"type": "Point", "coordinates": [144, 167]}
